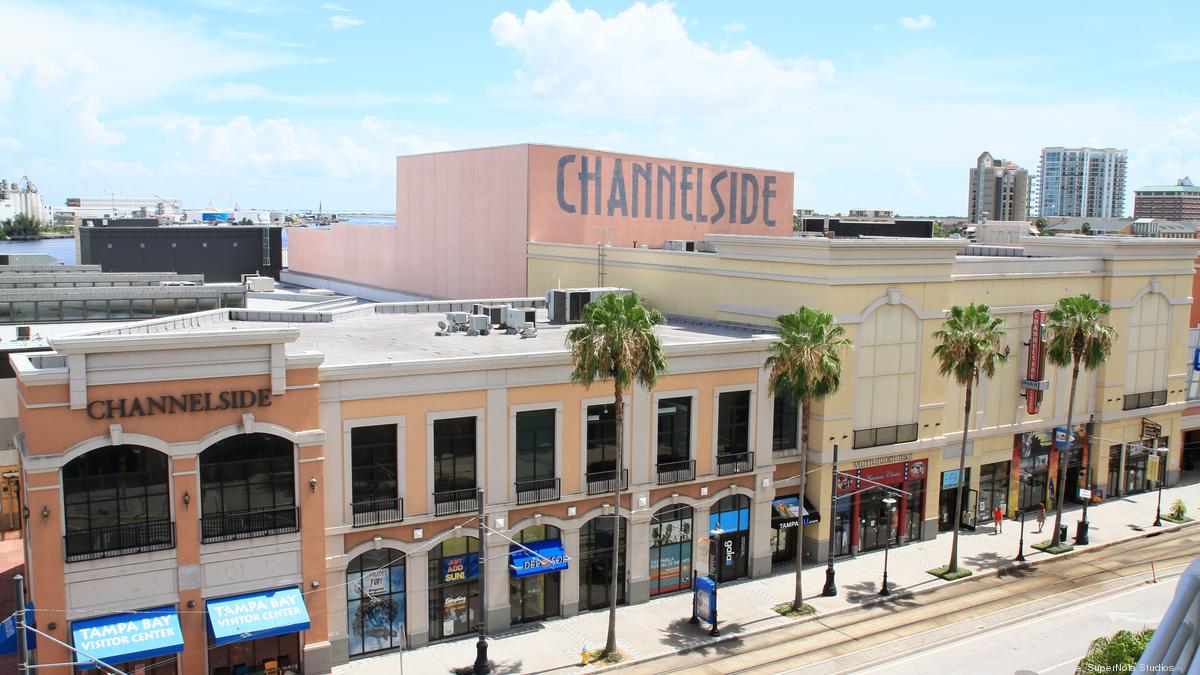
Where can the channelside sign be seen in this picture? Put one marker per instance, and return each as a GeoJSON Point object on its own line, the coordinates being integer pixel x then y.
{"type": "Point", "coordinates": [237, 399]}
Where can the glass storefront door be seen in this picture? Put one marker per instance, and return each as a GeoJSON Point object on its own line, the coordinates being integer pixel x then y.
{"type": "Point", "coordinates": [375, 602]}
{"type": "Point", "coordinates": [534, 597]}
{"type": "Point", "coordinates": [841, 527]}
{"type": "Point", "coordinates": [453, 588]}
{"type": "Point", "coordinates": [993, 486]}
{"type": "Point", "coordinates": [595, 563]}
{"type": "Point", "coordinates": [730, 520]}
{"type": "Point", "coordinates": [671, 550]}
{"type": "Point", "coordinates": [873, 528]}
{"type": "Point", "coordinates": [1114, 470]}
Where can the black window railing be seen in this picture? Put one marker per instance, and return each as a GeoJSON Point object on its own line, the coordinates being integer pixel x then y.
{"type": "Point", "coordinates": [449, 502]}
{"type": "Point", "coordinates": [377, 512]}
{"type": "Point", "coordinates": [1145, 399]}
{"type": "Point", "coordinates": [115, 540]}
{"type": "Point", "coordinates": [250, 523]}
{"type": "Point", "coordinates": [604, 482]}
{"type": "Point", "coordinates": [537, 490]}
{"type": "Point", "coordinates": [739, 462]}
{"type": "Point", "coordinates": [676, 472]}
{"type": "Point", "coordinates": [900, 433]}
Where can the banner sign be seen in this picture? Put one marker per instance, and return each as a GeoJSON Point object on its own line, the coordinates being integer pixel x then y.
{"type": "Point", "coordinates": [460, 568]}
{"type": "Point", "coordinates": [1033, 383]}
{"type": "Point", "coordinates": [705, 599]}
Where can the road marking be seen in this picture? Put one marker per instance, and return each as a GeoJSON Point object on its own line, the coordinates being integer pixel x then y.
{"type": "Point", "coordinates": [1068, 662]}
{"type": "Point", "coordinates": [989, 633]}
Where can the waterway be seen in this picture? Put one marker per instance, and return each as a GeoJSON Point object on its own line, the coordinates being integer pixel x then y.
{"type": "Point", "coordinates": [63, 249]}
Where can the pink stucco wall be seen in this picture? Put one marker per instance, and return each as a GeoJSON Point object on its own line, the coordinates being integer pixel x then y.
{"type": "Point", "coordinates": [460, 230]}
{"type": "Point", "coordinates": [463, 218]}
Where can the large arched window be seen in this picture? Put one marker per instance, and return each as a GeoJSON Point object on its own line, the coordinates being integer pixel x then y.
{"type": "Point", "coordinates": [595, 562]}
{"type": "Point", "coordinates": [453, 587]}
{"type": "Point", "coordinates": [885, 397]}
{"type": "Point", "coordinates": [671, 549]}
{"type": "Point", "coordinates": [534, 595]}
{"type": "Point", "coordinates": [729, 527]}
{"type": "Point", "coordinates": [375, 607]}
{"type": "Point", "coordinates": [1146, 364]}
{"type": "Point", "coordinates": [116, 501]}
{"type": "Point", "coordinates": [247, 487]}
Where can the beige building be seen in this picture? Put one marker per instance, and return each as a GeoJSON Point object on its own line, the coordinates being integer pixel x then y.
{"type": "Point", "coordinates": [895, 416]}
{"type": "Point", "coordinates": [998, 189]}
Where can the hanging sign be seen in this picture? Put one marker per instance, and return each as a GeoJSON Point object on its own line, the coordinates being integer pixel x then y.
{"type": "Point", "coordinates": [1033, 383]}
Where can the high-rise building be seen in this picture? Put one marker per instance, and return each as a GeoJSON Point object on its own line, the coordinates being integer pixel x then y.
{"type": "Point", "coordinates": [1082, 182]}
{"type": "Point", "coordinates": [1180, 201]}
{"type": "Point", "coordinates": [998, 188]}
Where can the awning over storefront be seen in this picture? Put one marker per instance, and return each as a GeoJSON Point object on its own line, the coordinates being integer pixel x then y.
{"type": "Point", "coordinates": [133, 636]}
{"type": "Point", "coordinates": [543, 556]}
{"type": "Point", "coordinates": [254, 615]}
{"type": "Point", "coordinates": [786, 510]}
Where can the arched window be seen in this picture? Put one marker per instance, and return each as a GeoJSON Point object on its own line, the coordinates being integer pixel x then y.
{"type": "Point", "coordinates": [1146, 364]}
{"type": "Point", "coordinates": [247, 488]}
{"type": "Point", "coordinates": [453, 587]}
{"type": "Point", "coordinates": [535, 596]}
{"type": "Point", "coordinates": [885, 396]}
{"type": "Point", "coordinates": [116, 501]}
{"type": "Point", "coordinates": [729, 526]}
{"type": "Point", "coordinates": [375, 607]}
{"type": "Point", "coordinates": [671, 549]}
{"type": "Point", "coordinates": [595, 562]}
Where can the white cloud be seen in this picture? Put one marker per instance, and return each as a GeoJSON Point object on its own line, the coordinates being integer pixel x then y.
{"type": "Point", "coordinates": [734, 27]}
{"type": "Point", "coordinates": [642, 63]}
{"type": "Point", "coordinates": [342, 22]}
{"type": "Point", "coordinates": [911, 183]}
{"type": "Point", "coordinates": [1173, 155]}
{"type": "Point", "coordinates": [334, 7]}
{"type": "Point", "coordinates": [9, 144]}
{"type": "Point", "coordinates": [358, 99]}
{"type": "Point", "coordinates": [918, 23]}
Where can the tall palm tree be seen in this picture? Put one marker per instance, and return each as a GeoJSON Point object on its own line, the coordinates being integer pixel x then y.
{"type": "Point", "coordinates": [806, 366]}
{"type": "Point", "coordinates": [1076, 337]}
{"type": "Point", "coordinates": [968, 345]}
{"type": "Point", "coordinates": [617, 341]}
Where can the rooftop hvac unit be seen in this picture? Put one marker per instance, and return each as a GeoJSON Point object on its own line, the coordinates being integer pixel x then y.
{"type": "Point", "coordinates": [706, 246]}
{"type": "Point", "coordinates": [478, 323]}
{"type": "Point", "coordinates": [517, 317]}
{"type": "Point", "coordinates": [556, 305]}
{"type": "Point", "coordinates": [260, 284]}
{"type": "Point", "coordinates": [22, 332]}
{"type": "Point", "coordinates": [679, 245]}
{"type": "Point", "coordinates": [566, 305]}
{"type": "Point", "coordinates": [494, 313]}
{"type": "Point", "coordinates": [457, 320]}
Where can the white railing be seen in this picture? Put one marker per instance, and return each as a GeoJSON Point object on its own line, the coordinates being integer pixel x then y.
{"type": "Point", "coordinates": [1173, 647]}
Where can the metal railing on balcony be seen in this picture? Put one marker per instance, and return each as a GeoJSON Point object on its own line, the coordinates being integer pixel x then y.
{"type": "Point", "coordinates": [377, 512]}
{"type": "Point", "coordinates": [115, 540]}
{"type": "Point", "coordinates": [738, 462]}
{"type": "Point", "coordinates": [449, 502]}
{"type": "Point", "coordinates": [250, 523]}
{"type": "Point", "coordinates": [900, 433]}
{"type": "Point", "coordinates": [1145, 399]}
{"type": "Point", "coordinates": [676, 472]}
{"type": "Point", "coordinates": [537, 490]}
{"type": "Point", "coordinates": [604, 482]}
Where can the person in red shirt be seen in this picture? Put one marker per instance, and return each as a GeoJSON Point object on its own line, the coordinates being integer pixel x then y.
{"type": "Point", "coordinates": [998, 520]}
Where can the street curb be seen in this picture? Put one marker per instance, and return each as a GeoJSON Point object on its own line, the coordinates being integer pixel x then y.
{"type": "Point", "coordinates": [896, 595]}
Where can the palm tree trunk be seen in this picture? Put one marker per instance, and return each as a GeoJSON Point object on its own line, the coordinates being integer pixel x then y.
{"type": "Point", "coordinates": [1060, 489]}
{"type": "Point", "coordinates": [798, 602]}
{"type": "Point", "coordinates": [610, 644]}
{"type": "Point", "coordinates": [962, 462]}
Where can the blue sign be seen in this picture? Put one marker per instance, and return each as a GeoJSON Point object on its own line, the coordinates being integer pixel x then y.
{"type": "Point", "coordinates": [541, 557]}
{"type": "Point", "coordinates": [1060, 437]}
{"type": "Point", "coordinates": [705, 599]}
{"type": "Point", "coordinates": [8, 633]}
{"type": "Point", "coordinates": [128, 637]}
{"type": "Point", "coordinates": [950, 479]}
{"type": "Point", "coordinates": [730, 521]}
{"type": "Point", "coordinates": [211, 215]}
{"type": "Point", "coordinates": [254, 615]}
{"type": "Point", "coordinates": [1196, 360]}
{"type": "Point", "coordinates": [460, 568]}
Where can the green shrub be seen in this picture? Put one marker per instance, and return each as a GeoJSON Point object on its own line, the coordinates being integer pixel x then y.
{"type": "Point", "coordinates": [941, 573]}
{"type": "Point", "coordinates": [786, 610]}
{"type": "Point", "coordinates": [1117, 654]}
{"type": "Point", "coordinates": [1178, 510]}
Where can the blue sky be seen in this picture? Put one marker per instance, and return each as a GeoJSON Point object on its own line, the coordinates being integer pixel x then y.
{"type": "Point", "coordinates": [274, 104]}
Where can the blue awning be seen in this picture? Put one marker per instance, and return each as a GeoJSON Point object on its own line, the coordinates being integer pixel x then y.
{"type": "Point", "coordinates": [133, 636]}
{"type": "Point", "coordinates": [547, 556]}
{"type": "Point", "coordinates": [254, 615]}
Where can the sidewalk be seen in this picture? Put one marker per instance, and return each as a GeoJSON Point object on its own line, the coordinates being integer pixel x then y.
{"type": "Point", "coordinates": [661, 626]}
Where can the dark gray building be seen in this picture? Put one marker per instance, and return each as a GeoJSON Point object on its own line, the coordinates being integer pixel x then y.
{"type": "Point", "coordinates": [222, 253]}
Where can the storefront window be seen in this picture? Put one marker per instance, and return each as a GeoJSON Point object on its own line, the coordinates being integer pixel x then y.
{"type": "Point", "coordinates": [993, 487]}
{"type": "Point", "coordinates": [116, 502]}
{"type": "Point", "coordinates": [729, 525]}
{"type": "Point", "coordinates": [671, 549]}
{"type": "Point", "coordinates": [535, 596]}
{"type": "Point", "coordinates": [375, 599]}
{"type": "Point", "coordinates": [247, 486]}
{"type": "Point", "coordinates": [277, 653]}
{"type": "Point", "coordinates": [453, 588]}
{"type": "Point", "coordinates": [595, 562]}
{"type": "Point", "coordinates": [373, 475]}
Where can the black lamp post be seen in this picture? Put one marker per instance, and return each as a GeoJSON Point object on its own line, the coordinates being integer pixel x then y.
{"type": "Point", "coordinates": [1021, 543]}
{"type": "Point", "coordinates": [1161, 454]}
{"type": "Point", "coordinates": [481, 655]}
{"type": "Point", "coordinates": [830, 589]}
{"type": "Point", "coordinates": [890, 507]}
{"type": "Point", "coordinates": [1081, 529]}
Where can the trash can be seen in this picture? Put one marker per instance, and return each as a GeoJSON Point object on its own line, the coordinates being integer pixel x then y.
{"type": "Point", "coordinates": [1062, 533]}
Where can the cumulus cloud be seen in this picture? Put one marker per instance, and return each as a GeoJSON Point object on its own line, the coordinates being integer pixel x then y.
{"type": "Point", "coordinates": [9, 144]}
{"type": "Point", "coordinates": [334, 7]}
{"type": "Point", "coordinates": [643, 63]}
{"type": "Point", "coordinates": [1175, 154]}
{"type": "Point", "coordinates": [342, 22]}
{"type": "Point", "coordinates": [917, 23]}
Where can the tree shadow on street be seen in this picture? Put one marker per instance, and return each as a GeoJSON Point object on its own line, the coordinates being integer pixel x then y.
{"type": "Point", "coordinates": [987, 560]}
{"type": "Point", "coordinates": [683, 636]}
{"type": "Point", "coordinates": [865, 592]}
{"type": "Point", "coordinates": [502, 667]}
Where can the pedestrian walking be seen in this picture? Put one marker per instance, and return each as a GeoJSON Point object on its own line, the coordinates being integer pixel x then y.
{"type": "Point", "coordinates": [1041, 516]}
{"type": "Point", "coordinates": [997, 521]}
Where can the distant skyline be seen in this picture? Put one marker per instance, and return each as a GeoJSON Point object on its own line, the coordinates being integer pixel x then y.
{"type": "Point", "coordinates": [274, 104]}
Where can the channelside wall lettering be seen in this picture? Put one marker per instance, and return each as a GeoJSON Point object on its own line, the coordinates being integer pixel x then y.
{"type": "Point", "coordinates": [107, 409]}
{"type": "Point", "coordinates": [629, 188]}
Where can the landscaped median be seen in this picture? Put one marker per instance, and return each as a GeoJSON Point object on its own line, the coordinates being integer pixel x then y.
{"type": "Point", "coordinates": [945, 574]}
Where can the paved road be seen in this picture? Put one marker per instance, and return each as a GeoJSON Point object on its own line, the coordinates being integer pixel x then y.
{"type": "Point", "coordinates": [910, 624]}
{"type": "Point", "coordinates": [1048, 644]}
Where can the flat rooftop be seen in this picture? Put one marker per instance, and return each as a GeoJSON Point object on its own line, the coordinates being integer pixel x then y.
{"type": "Point", "coordinates": [394, 333]}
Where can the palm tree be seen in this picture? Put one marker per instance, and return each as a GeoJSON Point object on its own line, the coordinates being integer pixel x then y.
{"type": "Point", "coordinates": [1076, 337]}
{"type": "Point", "coordinates": [968, 345]}
{"type": "Point", "coordinates": [806, 366]}
{"type": "Point", "coordinates": [617, 341]}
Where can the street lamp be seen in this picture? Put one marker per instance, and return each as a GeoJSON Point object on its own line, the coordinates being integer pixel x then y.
{"type": "Point", "coordinates": [481, 647]}
{"type": "Point", "coordinates": [1081, 528]}
{"type": "Point", "coordinates": [890, 507]}
{"type": "Point", "coordinates": [1021, 543]}
{"type": "Point", "coordinates": [1162, 466]}
{"type": "Point", "coordinates": [830, 589]}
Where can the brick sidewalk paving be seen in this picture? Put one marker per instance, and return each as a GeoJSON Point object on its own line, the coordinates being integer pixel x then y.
{"type": "Point", "coordinates": [661, 625]}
